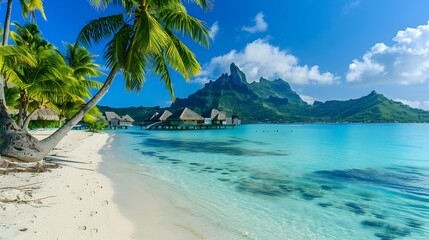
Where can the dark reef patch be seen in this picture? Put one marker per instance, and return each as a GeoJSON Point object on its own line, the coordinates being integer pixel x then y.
{"type": "Point", "coordinates": [388, 231]}
{"type": "Point", "coordinates": [406, 179]}
{"type": "Point", "coordinates": [213, 147]}
{"type": "Point", "coordinates": [414, 223]}
{"type": "Point", "coordinates": [355, 208]}
{"type": "Point", "coordinates": [325, 205]}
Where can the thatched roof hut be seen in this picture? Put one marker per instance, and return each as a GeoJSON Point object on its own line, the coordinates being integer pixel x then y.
{"type": "Point", "coordinates": [46, 114]}
{"type": "Point", "coordinates": [127, 118]}
{"type": "Point", "coordinates": [217, 115]}
{"type": "Point", "coordinates": [162, 117]}
{"type": "Point", "coordinates": [186, 114]}
{"type": "Point", "coordinates": [111, 116]}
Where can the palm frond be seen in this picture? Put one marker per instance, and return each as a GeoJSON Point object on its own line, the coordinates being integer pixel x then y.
{"type": "Point", "coordinates": [116, 49]}
{"type": "Point", "coordinates": [103, 4]}
{"type": "Point", "coordinates": [30, 6]}
{"type": "Point", "coordinates": [192, 66]}
{"type": "Point", "coordinates": [161, 69]}
{"type": "Point", "coordinates": [177, 19]}
{"type": "Point", "coordinates": [99, 29]}
{"type": "Point", "coordinates": [17, 54]}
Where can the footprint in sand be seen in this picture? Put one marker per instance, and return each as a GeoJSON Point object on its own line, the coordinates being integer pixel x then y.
{"type": "Point", "coordinates": [82, 228]}
{"type": "Point", "coordinates": [104, 203]}
{"type": "Point", "coordinates": [93, 213]}
{"type": "Point", "coordinates": [78, 198]}
{"type": "Point", "coordinates": [94, 231]}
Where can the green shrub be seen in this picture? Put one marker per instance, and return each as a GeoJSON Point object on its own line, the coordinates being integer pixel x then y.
{"type": "Point", "coordinates": [97, 126]}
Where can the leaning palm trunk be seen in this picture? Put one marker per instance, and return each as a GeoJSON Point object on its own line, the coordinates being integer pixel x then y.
{"type": "Point", "coordinates": [28, 119]}
{"type": "Point", "coordinates": [17, 143]}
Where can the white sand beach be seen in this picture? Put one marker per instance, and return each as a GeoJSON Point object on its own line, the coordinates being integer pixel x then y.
{"type": "Point", "coordinates": [76, 200]}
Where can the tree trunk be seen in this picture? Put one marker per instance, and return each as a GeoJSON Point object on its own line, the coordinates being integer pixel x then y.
{"type": "Point", "coordinates": [2, 86]}
{"type": "Point", "coordinates": [7, 23]}
{"type": "Point", "coordinates": [51, 141]}
{"type": "Point", "coordinates": [28, 119]}
{"type": "Point", "coordinates": [17, 143]}
{"type": "Point", "coordinates": [21, 113]}
{"type": "Point", "coordinates": [25, 112]}
{"type": "Point", "coordinates": [4, 43]}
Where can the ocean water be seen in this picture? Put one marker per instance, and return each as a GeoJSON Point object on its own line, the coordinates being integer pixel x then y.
{"type": "Point", "coordinates": [330, 181]}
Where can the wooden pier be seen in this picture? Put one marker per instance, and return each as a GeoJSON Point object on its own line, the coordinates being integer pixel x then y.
{"type": "Point", "coordinates": [166, 126]}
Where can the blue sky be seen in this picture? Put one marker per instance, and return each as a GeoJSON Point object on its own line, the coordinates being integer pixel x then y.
{"type": "Point", "coordinates": [336, 49]}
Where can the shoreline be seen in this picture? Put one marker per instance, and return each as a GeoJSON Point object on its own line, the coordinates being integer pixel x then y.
{"type": "Point", "coordinates": [74, 201]}
{"type": "Point", "coordinates": [148, 201]}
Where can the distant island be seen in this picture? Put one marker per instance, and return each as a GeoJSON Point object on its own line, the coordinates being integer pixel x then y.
{"type": "Point", "coordinates": [275, 102]}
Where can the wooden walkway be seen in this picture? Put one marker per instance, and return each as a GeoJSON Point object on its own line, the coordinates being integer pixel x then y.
{"type": "Point", "coordinates": [166, 126]}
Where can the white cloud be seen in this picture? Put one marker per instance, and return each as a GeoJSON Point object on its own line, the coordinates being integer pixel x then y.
{"type": "Point", "coordinates": [260, 24]}
{"type": "Point", "coordinates": [261, 59]}
{"type": "Point", "coordinates": [351, 6]}
{"type": "Point", "coordinates": [406, 62]}
{"type": "Point", "coordinates": [214, 29]}
{"type": "Point", "coordinates": [307, 99]}
{"type": "Point", "coordinates": [414, 104]}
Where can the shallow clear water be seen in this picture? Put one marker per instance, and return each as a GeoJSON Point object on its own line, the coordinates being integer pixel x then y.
{"type": "Point", "coordinates": [339, 181]}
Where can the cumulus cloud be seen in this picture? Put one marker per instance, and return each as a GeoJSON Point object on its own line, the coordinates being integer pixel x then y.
{"type": "Point", "coordinates": [214, 29]}
{"type": "Point", "coordinates": [405, 62]}
{"type": "Point", "coordinates": [414, 104]}
{"type": "Point", "coordinates": [260, 24]}
{"type": "Point", "coordinates": [261, 59]}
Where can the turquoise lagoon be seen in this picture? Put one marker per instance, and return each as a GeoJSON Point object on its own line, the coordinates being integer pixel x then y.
{"type": "Point", "coordinates": [328, 181]}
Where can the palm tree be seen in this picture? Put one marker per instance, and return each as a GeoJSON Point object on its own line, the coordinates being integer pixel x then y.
{"type": "Point", "coordinates": [80, 60]}
{"type": "Point", "coordinates": [142, 39]}
{"type": "Point", "coordinates": [38, 84]}
{"type": "Point", "coordinates": [28, 8]}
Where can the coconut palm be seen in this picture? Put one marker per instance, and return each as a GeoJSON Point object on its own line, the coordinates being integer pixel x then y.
{"type": "Point", "coordinates": [38, 84]}
{"type": "Point", "coordinates": [142, 39]}
{"type": "Point", "coordinates": [28, 8]}
{"type": "Point", "coordinates": [81, 61]}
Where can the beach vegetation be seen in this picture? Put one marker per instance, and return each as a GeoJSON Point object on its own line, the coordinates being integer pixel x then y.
{"type": "Point", "coordinates": [147, 37]}
{"type": "Point", "coordinates": [98, 125]}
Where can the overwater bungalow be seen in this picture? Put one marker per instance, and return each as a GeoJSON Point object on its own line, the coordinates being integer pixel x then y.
{"type": "Point", "coordinates": [185, 116]}
{"type": "Point", "coordinates": [217, 117]}
{"type": "Point", "coordinates": [186, 119]}
{"type": "Point", "coordinates": [126, 121]}
{"type": "Point", "coordinates": [236, 120]}
{"type": "Point", "coordinates": [112, 119]}
{"type": "Point", "coordinates": [115, 121]}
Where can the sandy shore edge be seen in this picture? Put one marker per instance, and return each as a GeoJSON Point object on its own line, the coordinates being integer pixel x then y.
{"type": "Point", "coordinates": [77, 200]}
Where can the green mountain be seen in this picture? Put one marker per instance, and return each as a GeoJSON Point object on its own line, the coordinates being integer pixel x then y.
{"type": "Point", "coordinates": [372, 108]}
{"type": "Point", "coordinates": [275, 101]}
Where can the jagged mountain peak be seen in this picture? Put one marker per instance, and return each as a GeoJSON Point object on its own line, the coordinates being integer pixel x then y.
{"type": "Point", "coordinates": [275, 101]}
{"type": "Point", "coordinates": [237, 77]}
